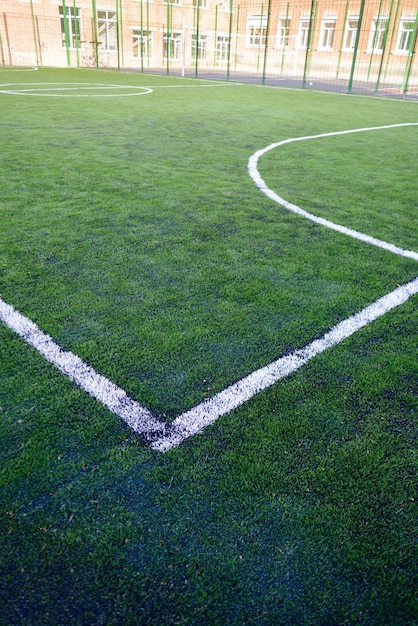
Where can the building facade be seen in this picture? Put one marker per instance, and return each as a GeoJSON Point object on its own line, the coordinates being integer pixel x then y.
{"type": "Point", "coordinates": [370, 41]}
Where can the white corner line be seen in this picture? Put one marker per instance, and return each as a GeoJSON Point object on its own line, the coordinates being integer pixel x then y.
{"type": "Point", "coordinates": [163, 436]}
{"type": "Point", "coordinates": [84, 376]}
{"type": "Point", "coordinates": [193, 421]}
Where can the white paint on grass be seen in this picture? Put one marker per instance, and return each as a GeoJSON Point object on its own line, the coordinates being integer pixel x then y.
{"type": "Point", "coordinates": [34, 68]}
{"type": "Point", "coordinates": [255, 175]}
{"type": "Point", "coordinates": [162, 436]}
{"type": "Point", "coordinates": [71, 90]}
{"type": "Point", "coordinates": [61, 90]}
{"type": "Point", "coordinates": [197, 419]}
{"type": "Point", "coordinates": [114, 398]}
{"type": "Point", "coordinates": [199, 86]}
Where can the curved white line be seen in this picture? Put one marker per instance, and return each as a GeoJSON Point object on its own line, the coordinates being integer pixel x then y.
{"type": "Point", "coordinates": [162, 436]}
{"type": "Point", "coordinates": [255, 175]}
{"type": "Point", "coordinates": [36, 91]}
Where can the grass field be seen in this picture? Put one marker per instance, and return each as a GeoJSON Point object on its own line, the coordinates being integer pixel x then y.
{"type": "Point", "coordinates": [132, 234]}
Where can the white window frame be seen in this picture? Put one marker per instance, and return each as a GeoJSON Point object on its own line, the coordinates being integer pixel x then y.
{"type": "Point", "coordinates": [406, 35]}
{"type": "Point", "coordinates": [202, 47]}
{"type": "Point", "coordinates": [73, 32]}
{"type": "Point", "coordinates": [377, 34]}
{"type": "Point", "coordinates": [303, 32]}
{"type": "Point", "coordinates": [142, 39]}
{"type": "Point", "coordinates": [350, 33]}
{"type": "Point", "coordinates": [256, 31]}
{"type": "Point", "coordinates": [226, 6]}
{"type": "Point", "coordinates": [327, 33]}
{"type": "Point", "coordinates": [176, 45]}
{"type": "Point", "coordinates": [283, 30]}
{"type": "Point", "coordinates": [201, 4]}
{"type": "Point", "coordinates": [107, 30]}
{"type": "Point", "coordinates": [222, 47]}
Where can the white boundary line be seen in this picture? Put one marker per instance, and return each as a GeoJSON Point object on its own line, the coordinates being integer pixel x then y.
{"type": "Point", "coordinates": [214, 84]}
{"type": "Point", "coordinates": [162, 436]}
{"type": "Point", "coordinates": [34, 68]}
{"type": "Point", "coordinates": [114, 398]}
{"type": "Point", "coordinates": [255, 175]}
{"type": "Point", "coordinates": [193, 421]}
{"type": "Point", "coordinates": [36, 91]}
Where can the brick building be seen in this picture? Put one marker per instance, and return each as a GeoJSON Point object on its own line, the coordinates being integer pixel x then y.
{"type": "Point", "coordinates": [369, 40]}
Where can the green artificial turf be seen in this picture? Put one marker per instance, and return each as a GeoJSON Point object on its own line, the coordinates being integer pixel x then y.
{"type": "Point", "coordinates": [132, 233]}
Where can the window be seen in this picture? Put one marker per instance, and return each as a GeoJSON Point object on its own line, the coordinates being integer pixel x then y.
{"type": "Point", "coordinates": [256, 30]}
{"type": "Point", "coordinates": [203, 4]}
{"type": "Point", "coordinates": [326, 38]}
{"type": "Point", "coordinates": [172, 45]}
{"type": "Point", "coordinates": [107, 30]}
{"type": "Point", "coordinates": [283, 32]}
{"type": "Point", "coordinates": [201, 47]}
{"type": "Point", "coordinates": [70, 27]}
{"type": "Point", "coordinates": [222, 47]}
{"type": "Point", "coordinates": [378, 34]}
{"type": "Point", "coordinates": [173, 2]}
{"type": "Point", "coordinates": [303, 33]}
{"type": "Point", "coordinates": [406, 35]}
{"type": "Point", "coordinates": [142, 44]}
{"type": "Point", "coordinates": [350, 34]}
{"type": "Point", "coordinates": [225, 5]}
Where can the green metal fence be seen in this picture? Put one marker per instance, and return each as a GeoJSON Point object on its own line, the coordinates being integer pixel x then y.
{"type": "Point", "coordinates": [344, 45]}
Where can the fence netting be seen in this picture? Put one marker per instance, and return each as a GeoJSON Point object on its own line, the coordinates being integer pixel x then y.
{"type": "Point", "coordinates": [340, 45]}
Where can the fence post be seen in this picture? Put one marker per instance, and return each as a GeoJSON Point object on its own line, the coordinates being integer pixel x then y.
{"type": "Point", "coordinates": [66, 32]}
{"type": "Point", "coordinates": [353, 64]}
{"type": "Point", "coordinates": [342, 39]}
{"type": "Point", "coordinates": [385, 41]}
{"type": "Point", "coordinates": [395, 23]}
{"type": "Point", "coordinates": [168, 37]}
{"type": "Point", "coordinates": [374, 39]}
{"type": "Point", "coordinates": [308, 43]}
{"type": "Point", "coordinates": [197, 35]}
{"type": "Point", "coordinates": [263, 79]}
{"type": "Point", "coordinates": [118, 17]}
{"type": "Point", "coordinates": [77, 35]}
{"type": "Point", "coordinates": [141, 37]}
{"type": "Point", "coordinates": [95, 35]}
{"type": "Point", "coordinates": [3, 60]}
{"type": "Point", "coordinates": [119, 32]}
{"type": "Point", "coordinates": [228, 64]}
{"type": "Point", "coordinates": [236, 37]}
{"type": "Point", "coordinates": [6, 33]}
